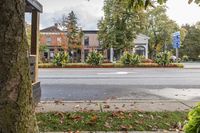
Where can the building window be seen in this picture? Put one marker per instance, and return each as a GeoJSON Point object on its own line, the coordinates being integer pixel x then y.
{"type": "Point", "coordinates": [86, 41]}
{"type": "Point", "coordinates": [86, 53]}
{"type": "Point", "coordinates": [140, 50]}
{"type": "Point", "coordinates": [59, 39]}
{"type": "Point", "coordinates": [46, 55]}
{"type": "Point", "coordinates": [48, 40]}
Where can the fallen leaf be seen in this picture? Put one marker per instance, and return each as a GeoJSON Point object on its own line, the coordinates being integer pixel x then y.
{"type": "Point", "coordinates": [107, 125]}
{"type": "Point", "coordinates": [123, 128]}
{"type": "Point", "coordinates": [106, 106]}
{"type": "Point", "coordinates": [76, 117]}
{"type": "Point", "coordinates": [77, 106]}
{"type": "Point", "coordinates": [152, 117]}
{"type": "Point", "coordinates": [140, 115]}
{"type": "Point", "coordinates": [58, 102]}
{"type": "Point", "coordinates": [94, 118]}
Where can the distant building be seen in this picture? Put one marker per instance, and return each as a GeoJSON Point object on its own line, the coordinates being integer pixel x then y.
{"type": "Point", "coordinates": [91, 43]}
{"type": "Point", "coordinates": [56, 40]}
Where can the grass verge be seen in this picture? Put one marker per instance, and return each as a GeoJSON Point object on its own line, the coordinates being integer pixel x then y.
{"type": "Point", "coordinates": [111, 121]}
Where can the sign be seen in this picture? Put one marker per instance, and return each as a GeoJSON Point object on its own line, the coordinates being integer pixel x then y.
{"type": "Point", "coordinates": [176, 40]}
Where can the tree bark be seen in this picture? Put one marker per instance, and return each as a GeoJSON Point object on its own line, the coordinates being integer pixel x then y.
{"type": "Point", "coordinates": [16, 104]}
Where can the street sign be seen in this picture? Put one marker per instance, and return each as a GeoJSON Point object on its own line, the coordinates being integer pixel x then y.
{"type": "Point", "coordinates": [176, 40]}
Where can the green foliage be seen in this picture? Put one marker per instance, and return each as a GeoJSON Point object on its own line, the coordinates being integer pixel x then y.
{"type": "Point", "coordinates": [163, 58]}
{"type": "Point", "coordinates": [140, 4]}
{"type": "Point", "coordinates": [185, 58]}
{"type": "Point", "coordinates": [43, 48]}
{"type": "Point", "coordinates": [119, 26]}
{"type": "Point", "coordinates": [191, 43]}
{"type": "Point", "coordinates": [159, 27]}
{"type": "Point", "coordinates": [130, 59]}
{"type": "Point", "coordinates": [74, 34]}
{"type": "Point", "coordinates": [95, 58]}
{"type": "Point", "coordinates": [60, 59]}
{"type": "Point", "coordinates": [193, 126]}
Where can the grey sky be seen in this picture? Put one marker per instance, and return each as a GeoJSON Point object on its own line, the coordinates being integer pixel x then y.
{"type": "Point", "coordinates": [89, 13]}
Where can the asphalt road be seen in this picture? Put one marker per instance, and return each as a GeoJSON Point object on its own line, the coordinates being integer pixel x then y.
{"type": "Point", "coordinates": [125, 83]}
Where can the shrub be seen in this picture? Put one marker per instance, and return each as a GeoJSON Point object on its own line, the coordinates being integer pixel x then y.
{"type": "Point", "coordinates": [94, 58]}
{"type": "Point", "coordinates": [60, 59]}
{"type": "Point", "coordinates": [130, 59]}
{"type": "Point", "coordinates": [193, 126]}
{"type": "Point", "coordinates": [199, 57]}
{"type": "Point", "coordinates": [185, 58]}
{"type": "Point", "coordinates": [163, 58]}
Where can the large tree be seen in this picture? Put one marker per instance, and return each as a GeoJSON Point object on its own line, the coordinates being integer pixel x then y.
{"type": "Point", "coordinates": [16, 104]}
{"type": "Point", "coordinates": [74, 34]}
{"type": "Point", "coordinates": [119, 26]}
{"type": "Point", "coordinates": [159, 28]}
{"type": "Point", "coordinates": [138, 4]}
{"type": "Point", "coordinates": [191, 43]}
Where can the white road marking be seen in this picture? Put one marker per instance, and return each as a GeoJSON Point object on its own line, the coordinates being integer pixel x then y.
{"type": "Point", "coordinates": [115, 73]}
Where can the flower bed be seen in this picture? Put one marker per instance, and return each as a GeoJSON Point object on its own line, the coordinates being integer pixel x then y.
{"type": "Point", "coordinates": [111, 65]}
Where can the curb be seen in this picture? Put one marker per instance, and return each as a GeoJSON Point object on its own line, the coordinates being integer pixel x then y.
{"type": "Point", "coordinates": [119, 132]}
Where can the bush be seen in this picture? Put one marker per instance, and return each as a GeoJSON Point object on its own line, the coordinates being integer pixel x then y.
{"type": "Point", "coordinates": [94, 58]}
{"type": "Point", "coordinates": [130, 59]}
{"type": "Point", "coordinates": [185, 58]}
{"type": "Point", "coordinates": [199, 57]}
{"type": "Point", "coordinates": [60, 59]}
{"type": "Point", "coordinates": [163, 58]}
{"type": "Point", "coordinates": [193, 126]}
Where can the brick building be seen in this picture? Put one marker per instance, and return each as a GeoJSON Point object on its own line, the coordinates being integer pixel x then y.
{"type": "Point", "coordinates": [56, 40]}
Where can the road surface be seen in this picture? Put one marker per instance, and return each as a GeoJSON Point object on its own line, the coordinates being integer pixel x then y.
{"type": "Point", "coordinates": [123, 83]}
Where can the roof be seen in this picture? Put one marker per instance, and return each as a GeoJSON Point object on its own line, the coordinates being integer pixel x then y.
{"type": "Point", "coordinates": [143, 36]}
{"type": "Point", "coordinates": [51, 29]}
{"type": "Point", "coordinates": [90, 31]}
{"type": "Point", "coordinates": [33, 5]}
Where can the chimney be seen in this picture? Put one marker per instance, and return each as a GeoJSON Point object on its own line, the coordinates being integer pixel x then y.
{"type": "Point", "coordinates": [56, 25]}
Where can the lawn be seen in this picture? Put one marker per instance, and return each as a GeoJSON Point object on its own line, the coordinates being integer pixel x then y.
{"type": "Point", "coordinates": [111, 121]}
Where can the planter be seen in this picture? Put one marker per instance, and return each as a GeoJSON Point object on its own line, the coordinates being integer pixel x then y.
{"type": "Point", "coordinates": [110, 65]}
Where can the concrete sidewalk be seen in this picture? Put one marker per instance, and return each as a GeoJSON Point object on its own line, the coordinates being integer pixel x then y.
{"type": "Point", "coordinates": [115, 105]}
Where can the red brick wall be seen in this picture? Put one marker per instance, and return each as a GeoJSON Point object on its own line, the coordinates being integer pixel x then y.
{"type": "Point", "coordinates": [54, 41]}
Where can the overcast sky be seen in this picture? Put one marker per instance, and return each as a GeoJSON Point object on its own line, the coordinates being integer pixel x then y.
{"type": "Point", "coordinates": [89, 12]}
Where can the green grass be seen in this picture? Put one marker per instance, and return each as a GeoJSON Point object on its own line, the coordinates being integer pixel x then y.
{"type": "Point", "coordinates": [110, 121]}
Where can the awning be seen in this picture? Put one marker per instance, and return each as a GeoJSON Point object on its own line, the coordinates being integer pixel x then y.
{"type": "Point", "coordinates": [33, 5]}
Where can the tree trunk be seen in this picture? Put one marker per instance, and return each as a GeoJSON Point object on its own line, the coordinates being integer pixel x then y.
{"type": "Point", "coordinates": [16, 104]}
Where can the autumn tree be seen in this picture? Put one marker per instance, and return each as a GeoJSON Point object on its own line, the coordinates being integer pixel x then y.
{"type": "Point", "coordinates": [16, 101]}
{"type": "Point", "coordinates": [73, 33]}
